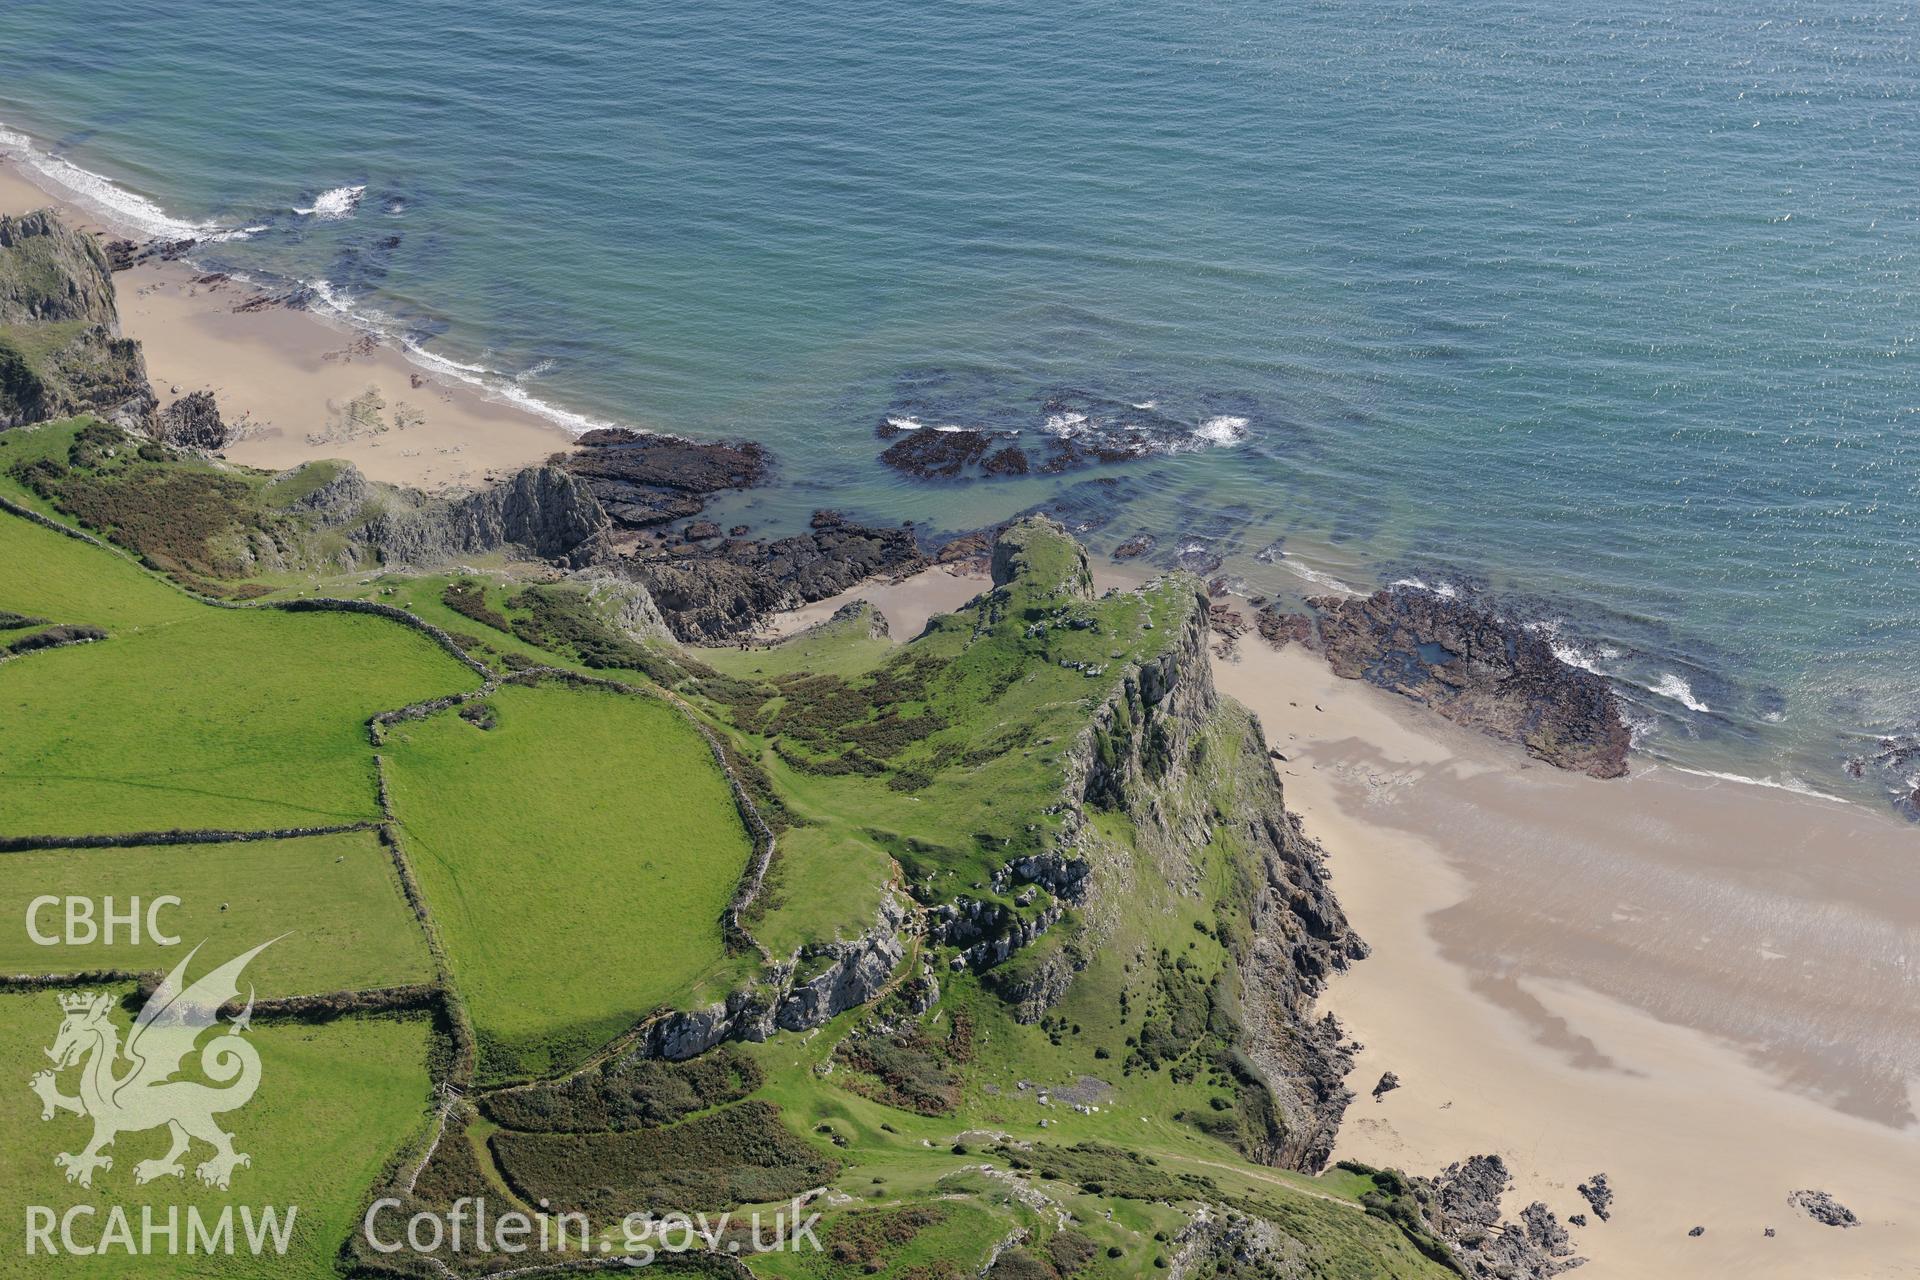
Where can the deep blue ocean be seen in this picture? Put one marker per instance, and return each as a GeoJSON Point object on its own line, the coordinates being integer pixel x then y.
{"type": "Point", "coordinates": [1611, 314]}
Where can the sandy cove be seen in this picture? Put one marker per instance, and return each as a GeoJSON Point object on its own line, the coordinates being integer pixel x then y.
{"type": "Point", "coordinates": [301, 388]}
{"type": "Point", "coordinates": [1705, 990]}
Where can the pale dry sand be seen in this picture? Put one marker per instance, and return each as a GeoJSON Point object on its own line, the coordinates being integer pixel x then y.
{"type": "Point", "coordinates": [907, 603]}
{"type": "Point", "coordinates": [302, 388]}
{"type": "Point", "coordinates": [1705, 990]}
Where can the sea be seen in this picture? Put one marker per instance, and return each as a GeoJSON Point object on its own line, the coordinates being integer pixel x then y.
{"type": "Point", "coordinates": [1606, 314]}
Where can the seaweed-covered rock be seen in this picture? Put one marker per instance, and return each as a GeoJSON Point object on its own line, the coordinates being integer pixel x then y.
{"type": "Point", "coordinates": [1479, 670]}
{"type": "Point", "coordinates": [643, 480]}
{"type": "Point", "coordinates": [1896, 761]}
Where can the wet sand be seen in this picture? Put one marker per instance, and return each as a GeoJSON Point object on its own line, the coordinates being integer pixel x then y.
{"type": "Point", "coordinates": [301, 388]}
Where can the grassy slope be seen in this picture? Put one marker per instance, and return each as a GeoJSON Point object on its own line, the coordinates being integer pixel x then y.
{"type": "Point", "coordinates": [894, 1157]}
{"type": "Point", "coordinates": [576, 857]}
{"type": "Point", "coordinates": [1001, 682]}
{"type": "Point", "coordinates": [247, 718]}
{"type": "Point", "coordinates": [1010, 709]}
{"type": "Point", "coordinates": [335, 1102]}
{"type": "Point", "coordinates": [842, 647]}
{"type": "Point", "coordinates": [336, 897]}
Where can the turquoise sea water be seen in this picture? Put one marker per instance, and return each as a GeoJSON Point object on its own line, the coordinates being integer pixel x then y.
{"type": "Point", "coordinates": [1611, 314]}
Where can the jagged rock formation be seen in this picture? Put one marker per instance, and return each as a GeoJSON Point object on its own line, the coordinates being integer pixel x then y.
{"type": "Point", "coordinates": [845, 975]}
{"type": "Point", "coordinates": [623, 603]}
{"type": "Point", "coordinates": [1140, 756]}
{"type": "Point", "coordinates": [709, 595]}
{"type": "Point", "coordinates": [60, 349]}
{"type": "Point", "coordinates": [1230, 1244]}
{"type": "Point", "coordinates": [1598, 1195]}
{"type": "Point", "coordinates": [1823, 1208]}
{"type": "Point", "coordinates": [1463, 1207]}
{"type": "Point", "coordinates": [541, 511]}
{"type": "Point", "coordinates": [1478, 670]}
{"type": "Point", "coordinates": [52, 274]}
{"type": "Point", "coordinates": [192, 422]}
{"type": "Point", "coordinates": [643, 480]}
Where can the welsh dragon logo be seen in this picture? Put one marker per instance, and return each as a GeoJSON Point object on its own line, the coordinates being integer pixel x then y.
{"type": "Point", "coordinates": [132, 1087]}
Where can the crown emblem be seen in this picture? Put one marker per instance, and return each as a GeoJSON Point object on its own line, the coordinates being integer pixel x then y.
{"type": "Point", "coordinates": [76, 1001]}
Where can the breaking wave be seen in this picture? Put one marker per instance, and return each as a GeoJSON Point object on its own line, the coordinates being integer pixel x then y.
{"type": "Point", "coordinates": [340, 202]}
{"type": "Point", "coordinates": [108, 200]}
{"type": "Point", "coordinates": [1672, 686]}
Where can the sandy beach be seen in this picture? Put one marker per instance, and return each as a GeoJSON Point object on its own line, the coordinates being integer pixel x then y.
{"type": "Point", "coordinates": [301, 388]}
{"type": "Point", "coordinates": [1703, 989]}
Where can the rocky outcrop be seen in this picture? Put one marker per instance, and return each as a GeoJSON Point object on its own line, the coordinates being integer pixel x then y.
{"type": "Point", "coordinates": [52, 274]}
{"type": "Point", "coordinates": [1072, 430]}
{"type": "Point", "coordinates": [1227, 1243]}
{"type": "Point", "coordinates": [57, 371]}
{"type": "Point", "coordinates": [1140, 757]}
{"type": "Point", "coordinates": [819, 983]}
{"type": "Point", "coordinates": [623, 603]}
{"type": "Point", "coordinates": [60, 349]}
{"type": "Point", "coordinates": [643, 480]}
{"type": "Point", "coordinates": [540, 511]}
{"type": "Point", "coordinates": [192, 422]}
{"type": "Point", "coordinates": [1462, 1206]}
{"type": "Point", "coordinates": [1040, 550]}
{"type": "Point", "coordinates": [1478, 670]}
{"type": "Point", "coordinates": [1598, 1195]}
{"type": "Point", "coordinates": [1823, 1208]}
{"type": "Point", "coordinates": [710, 594]}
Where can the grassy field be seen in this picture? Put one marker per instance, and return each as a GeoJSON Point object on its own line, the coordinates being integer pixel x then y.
{"type": "Point", "coordinates": [246, 718]}
{"type": "Point", "coordinates": [576, 858]}
{"type": "Point", "coordinates": [334, 1103]}
{"type": "Point", "coordinates": [336, 898]}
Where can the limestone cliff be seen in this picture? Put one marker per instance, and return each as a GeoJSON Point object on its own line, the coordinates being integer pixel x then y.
{"type": "Point", "coordinates": [539, 511]}
{"type": "Point", "coordinates": [61, 352]}
{"type": "Point", "coordinates": [1190, 770]}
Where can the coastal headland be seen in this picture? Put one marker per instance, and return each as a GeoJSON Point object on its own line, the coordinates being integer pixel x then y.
{"type": "Point", "coordinates": [1586, 966]}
